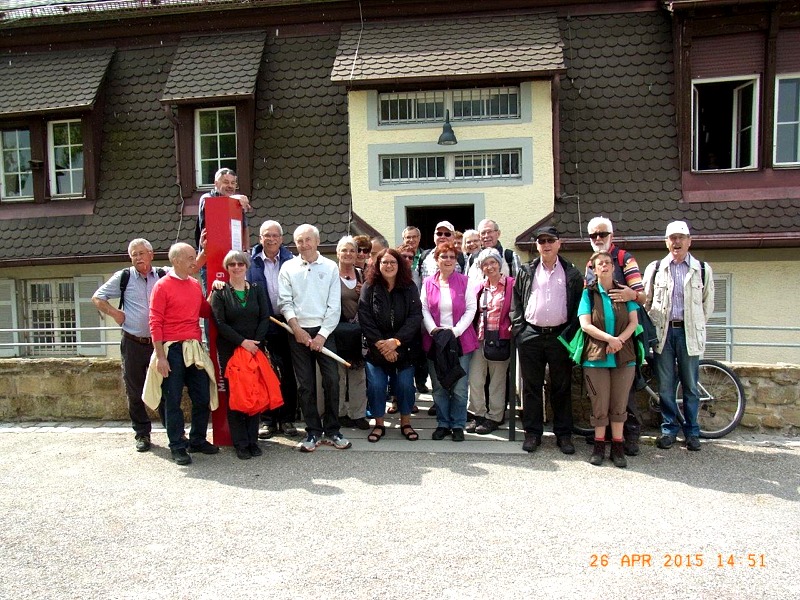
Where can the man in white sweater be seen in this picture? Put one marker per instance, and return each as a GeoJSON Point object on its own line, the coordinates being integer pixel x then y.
{"type": "Point", "coordinates": [309, 297]}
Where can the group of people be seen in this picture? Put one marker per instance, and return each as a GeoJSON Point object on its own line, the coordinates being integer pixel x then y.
{"type": "Point", "coordinates": [401, 315]}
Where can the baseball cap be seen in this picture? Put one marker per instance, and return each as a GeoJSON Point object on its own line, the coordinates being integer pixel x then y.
{"type": "Point", "coordinates": [677, 227]}
{"type": "Point", "coordinates": [446, 224]}
{"type": "Point", "coordinates": [551, 231]}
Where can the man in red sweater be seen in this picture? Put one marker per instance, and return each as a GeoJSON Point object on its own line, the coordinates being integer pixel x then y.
{"type": "Point", "coordinates": [176, 305]}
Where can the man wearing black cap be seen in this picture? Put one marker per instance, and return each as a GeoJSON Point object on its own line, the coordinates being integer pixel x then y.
{"type": "Point", "coordinates": [546, 297]}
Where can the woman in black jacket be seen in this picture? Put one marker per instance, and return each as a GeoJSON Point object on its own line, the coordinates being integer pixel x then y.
{"type": "Point", "coordinates": [241, 311]}
{"type": "Point", "coordinates": [390, 314]}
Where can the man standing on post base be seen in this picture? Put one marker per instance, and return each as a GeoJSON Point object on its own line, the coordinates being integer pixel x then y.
{"type": "Point", "coordinates": [680, 300]}
{"type": "Point", "coordinates": [176, 306]}
{"type": "Point", "coordinates": [627, 274]}
{"type": "Point", "coordinates": [310, 297]}
{"type": "Point", "coordinates": [133, 313]}
{"type": "Point", "coordinates": [546, 297]}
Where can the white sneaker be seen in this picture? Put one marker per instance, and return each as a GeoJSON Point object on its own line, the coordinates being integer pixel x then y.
{"type": "Point", "coordinates": [309, 444]}
{"type": "Point", "coordinates": [337, 440]}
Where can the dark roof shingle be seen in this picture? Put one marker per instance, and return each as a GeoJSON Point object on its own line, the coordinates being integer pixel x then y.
{"type": "Point", "coordinates": [453, 48]}
{"type": "Point", "coordinates": [214, 67]}
{"type": "Point", "coordinates": [51, 81]}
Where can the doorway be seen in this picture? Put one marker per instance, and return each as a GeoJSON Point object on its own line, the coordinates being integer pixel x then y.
{"type": "Point", "coordinates": [425, 219]}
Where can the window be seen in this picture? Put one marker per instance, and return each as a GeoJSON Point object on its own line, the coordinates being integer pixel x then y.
{"type": "Point", "coordinates": [65, 149]}
{"type": "Point", "coordinates": [215, 143]}
{"type": "Point", "coordinates": [487, 165]}
{"type": "Point", "coordinates": [400, 169]}
{"type": "Point", "coordinates": [503, 164]}
{"type": "Point", "coordinates": [725, 124]}
{"type": "Point", "coordinates": [787, 121]}
{"type": "Point", "coordinates": [17, 177]}
{"type": "Point", "coordinates": [51, 304]}
{"type": "Point", "coordinates": [464, 105]}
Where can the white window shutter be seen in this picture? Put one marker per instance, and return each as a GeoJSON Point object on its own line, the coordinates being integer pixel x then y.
{"type": "Point", "coordinates": [720, 316]}
{"type": "Point", "coordinates": [8, 317]}
{"type": "Point", "coordinates": [88, 316]}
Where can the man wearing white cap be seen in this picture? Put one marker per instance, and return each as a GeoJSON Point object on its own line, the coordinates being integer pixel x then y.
{"type": "Point", "coordinates": [680, 300]}
{"type": "Point", "coordinates": [443, 234]}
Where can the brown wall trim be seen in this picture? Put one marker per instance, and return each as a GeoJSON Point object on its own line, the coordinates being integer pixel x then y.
{"type": "Point", "coordinates": [770, 184]}
{"type": "Point", "coordinates": [55, 208]}
{"type": "Point", "coordinates": [713, 241]}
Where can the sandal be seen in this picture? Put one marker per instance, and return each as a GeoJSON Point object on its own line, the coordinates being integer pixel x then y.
{"type": "Point", "coordinates": [414, 409]}
{"type": "Point", "coordinates": [408, 431]}
{"type": "Point", "coordinates": [373, 436]}
{"type": "Point", "coordinates": [392, 409]}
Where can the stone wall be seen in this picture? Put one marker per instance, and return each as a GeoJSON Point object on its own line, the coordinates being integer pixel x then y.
{"type": "Point", "coordinates": [63, 389]}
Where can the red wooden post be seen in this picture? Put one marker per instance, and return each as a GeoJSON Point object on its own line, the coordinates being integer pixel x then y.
{"type": "Point", "coordinates": [225, 231]}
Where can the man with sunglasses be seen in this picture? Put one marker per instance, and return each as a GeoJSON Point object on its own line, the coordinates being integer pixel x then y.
{"type": "Point", "coordinates": [629, 277]}
{"type": "Point", "coordinates": [545, 302]}
{"type": "Point", "coordinates": [267, 257]}
{"type": "Point", "coordinates": [442, 235]}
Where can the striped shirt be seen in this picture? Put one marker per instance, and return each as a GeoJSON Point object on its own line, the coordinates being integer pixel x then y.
{"type": "Point", "coordinates": [678, 271]}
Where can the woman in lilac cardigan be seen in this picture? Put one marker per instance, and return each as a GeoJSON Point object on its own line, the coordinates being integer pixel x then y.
{"type": "Point", "coordinates": [494, 300]}
{"type": "Point", "coordinates": [449, 302]}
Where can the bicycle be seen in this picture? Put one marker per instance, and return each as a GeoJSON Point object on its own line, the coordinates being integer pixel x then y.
{"type": "Point", "coordinates": [722, 399]}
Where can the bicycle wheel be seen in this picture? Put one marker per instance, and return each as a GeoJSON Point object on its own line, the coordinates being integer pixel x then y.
{"type": "Point", "coordinates": [722, 399]}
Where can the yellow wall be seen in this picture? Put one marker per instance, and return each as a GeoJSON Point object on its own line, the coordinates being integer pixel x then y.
{"type": "Point", "coordinates": [514, 207]}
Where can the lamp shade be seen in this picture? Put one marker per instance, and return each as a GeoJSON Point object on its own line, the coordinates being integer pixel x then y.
{"type": "Point", "coordinates": [448, 137]}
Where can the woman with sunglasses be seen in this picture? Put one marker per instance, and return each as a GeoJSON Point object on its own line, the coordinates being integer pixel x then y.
{"type": "Point", "coordinates": [241, 311]}
{"type": "Point", "coordinates": [363, 248]}
{"type": "Point", "coordinates": [449, 302]}
{"type": "Point", "coordinates": [390, 315]}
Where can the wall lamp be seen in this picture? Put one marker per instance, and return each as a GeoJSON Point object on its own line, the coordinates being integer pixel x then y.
{"type": "Point", "coordinates": [448, 138]}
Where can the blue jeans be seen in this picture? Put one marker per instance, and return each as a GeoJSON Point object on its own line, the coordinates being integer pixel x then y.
{"type": "Point", "coordinates": [451, 406]}
{"type": "Point", "coordinates": [196, 382]}
{"type": "Point", "coordinates": [377, 385]}
{"type": "Point", "coordinates": [688, 372]}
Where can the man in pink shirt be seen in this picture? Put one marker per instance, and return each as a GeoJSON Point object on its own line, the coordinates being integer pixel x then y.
{"type": "Point", "coordinates": [176, 305]}
{"type": "Point", "coordinates": [546, 297]}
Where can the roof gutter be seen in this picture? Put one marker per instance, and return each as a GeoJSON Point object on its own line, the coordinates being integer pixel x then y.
{"type": "Point", "coordinates": [716, 241]}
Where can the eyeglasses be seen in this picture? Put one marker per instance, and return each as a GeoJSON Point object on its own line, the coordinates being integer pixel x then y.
{"type": "Point", "coordinates": [447, 257]}
{"type": "Point", "coordinates": [408, 256]}
{"type": "Point", "coordinates": [543, 241]}
{"type": "Point", "coordinates": [364, 250]}
{"type": "Point", "coordinates": [444, 233]}
{"type": "Point", "coordinates": [388, 263]}
{"type": "Point", "coordinates": [599, 234]}
{"type": "Point", "coordinates": [237, 264]}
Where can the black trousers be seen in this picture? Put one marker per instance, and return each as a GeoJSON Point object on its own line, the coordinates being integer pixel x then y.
{"type": "Point", "coordinates": [305, 361]}
{"type": "Point", "coordinates": [135, 360]}
{"type": "Point", "coordinates": [278, 345]}
{"type": "Point", "coordinates": [243, 428]}
{"type": "Point", "coordinates": [535, 354]}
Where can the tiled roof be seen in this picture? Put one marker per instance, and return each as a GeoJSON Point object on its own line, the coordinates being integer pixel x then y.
{"type": "Point", "coordinates": [215, 66]}
{"type": "Point", "coordinates": [453, 48]}
{"type": "Point", "coordinates": [300, 171]}
{"type": "Point", "coordinates": [619, 141]}
{"type": "Point", "coordinates": [35, 83]}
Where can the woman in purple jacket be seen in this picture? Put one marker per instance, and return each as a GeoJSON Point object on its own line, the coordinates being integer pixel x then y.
{"type": "Point", "coordinates": [493, 315]}
{"type": "Point", "coordinates": [449, 302]}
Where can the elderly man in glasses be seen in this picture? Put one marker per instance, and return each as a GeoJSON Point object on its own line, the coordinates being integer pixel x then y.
{"type": "Point", "coordinates": [266, 260]}
{"type": "Point", "coordinates": [627, 274]}
{"type": "Point", "coordinates": [546, 297]}
{"type": "Point", "coordinates": [443, 234]}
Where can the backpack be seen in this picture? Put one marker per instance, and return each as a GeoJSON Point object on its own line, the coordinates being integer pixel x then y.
{"type": "Point", "coordinates": [126, 277]}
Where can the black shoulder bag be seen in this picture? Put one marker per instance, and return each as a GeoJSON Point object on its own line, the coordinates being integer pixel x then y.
{"type": "Point", "coordinates": [494, 349]}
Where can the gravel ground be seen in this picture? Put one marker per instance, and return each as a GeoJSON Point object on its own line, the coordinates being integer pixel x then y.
{"type": "Point", "coordinates": [83, 515]}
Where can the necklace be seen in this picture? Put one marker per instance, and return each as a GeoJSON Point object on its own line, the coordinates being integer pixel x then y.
{"type": "Point", "coordinates": [241, 295]}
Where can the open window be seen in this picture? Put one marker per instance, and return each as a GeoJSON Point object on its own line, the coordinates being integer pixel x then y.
{"type": "Point", "coordinates": [724, 124]}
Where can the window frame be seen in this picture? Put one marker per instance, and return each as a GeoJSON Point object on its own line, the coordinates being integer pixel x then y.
{"type": "Point", "coordinates": [735, 128]}
{"type": "Point", "coordinates": [19, 173]}
{"type": "Point", "coordinates": [52, 174]}
{"type": "Point", "coordinates": [450, 170]}
{"type": "Point", "coordinates": [448, 103]}
{"type": "Point", "coordinates": [187, 148]}
{"type": "Point", "coordinates": [199, 160]}
{"type": "Point", "coordinates": [777, 123]}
